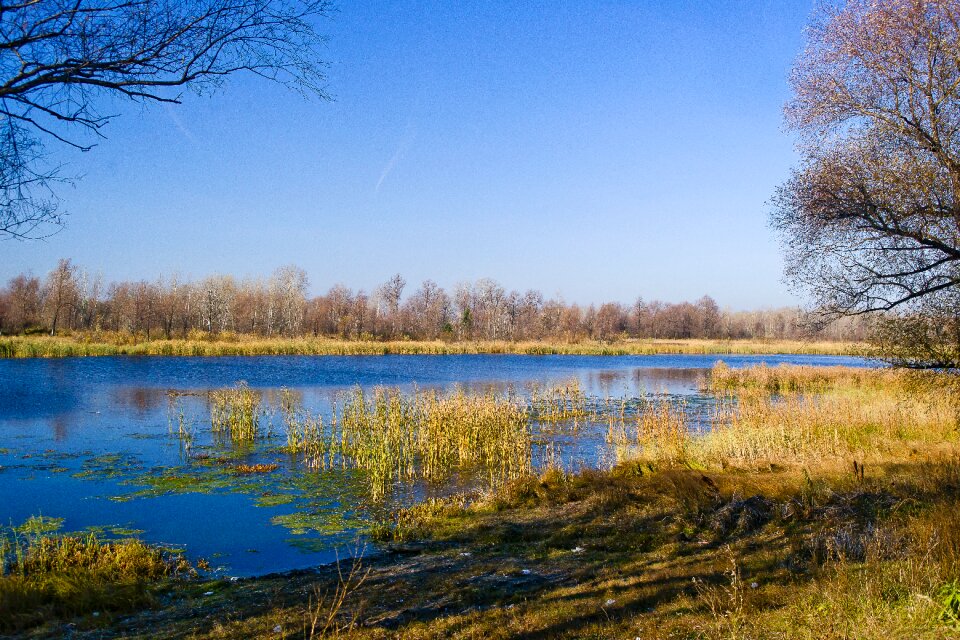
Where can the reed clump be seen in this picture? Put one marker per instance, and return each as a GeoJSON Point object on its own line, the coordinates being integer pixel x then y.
{"type": "Point", "coordinates": [815, 416]}
{"type": "Point", "coordinates": [558, 403]}
{"type": "Point", "coordinates": [49, 577]}
{"type": "Point", "coordinates": [424, 435]}
{"type": "Point", "coordinates": [429, 436]}
{"type": "Point", "coordinates": [230, 344]}
{"type": "Point", "coordinates": [662, 431]}
{"type": "Point", "coordinates": [657, 433]}
{"type": "Point", "coordinates": [236, 413]}
{"type": "Point", "coordinates": [304, 431]}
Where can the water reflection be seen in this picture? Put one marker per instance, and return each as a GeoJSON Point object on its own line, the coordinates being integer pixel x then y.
{"type": "Point", "coordinates": [142, 399]}
{"type": "Point", "coordinates": [58, 426]}
{"type": "Point", "coordinates": [104, 423]}
{"type": "Point", "coordinates": [681, 381]}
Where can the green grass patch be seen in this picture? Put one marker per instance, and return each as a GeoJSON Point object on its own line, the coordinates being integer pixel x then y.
{"type": "Point", "coordinates": [49, 578]}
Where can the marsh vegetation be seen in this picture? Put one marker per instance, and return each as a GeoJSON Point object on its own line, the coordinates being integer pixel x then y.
{"type": "Point", "coordinates": [832, 489]}
{"type": "Point", "coordinates": [804, 494]}
{"type": "Point", "coordinates": [234, 345]}
{"type": "Point", "coordinates": [50, 575]}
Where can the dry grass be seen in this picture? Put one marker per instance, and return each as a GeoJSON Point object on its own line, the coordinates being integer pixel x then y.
{"type": "Point", "coordinates": [236, 413]}
{"type": "Point", "coordinates": [108, 345]}
{"type": "Point", "coordinates": [812, 417]}
{"type": "Point", "coordinates": [786, 378]}
{"type": "Point", "coordinates": [817, 417]}
{"type": "Point", "coordinates": [62, 576]}
{"type": "Point", "coordinates": [425, 435]}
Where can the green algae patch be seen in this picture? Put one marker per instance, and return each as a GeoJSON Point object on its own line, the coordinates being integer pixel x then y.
{"type": "Point", "coordinates": [109, 466]}
{"type": "Point", "coordinates": [274, 499]}
{"type": "Point", "coordinates": [40, 525]}
{"type": "Point", "coordinates": [325, 522]}
{"type": "Point", "coordinates": [113, 531]}
{"type": "Point", "coordinates": [177, 481]}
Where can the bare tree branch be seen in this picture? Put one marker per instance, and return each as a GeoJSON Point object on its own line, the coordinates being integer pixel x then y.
{"type": "Point", "coordinates": [59, 57]}
{"type": "Point", "coordinates": [871, 219]}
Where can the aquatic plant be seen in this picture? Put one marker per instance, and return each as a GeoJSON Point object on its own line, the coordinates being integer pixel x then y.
{"type": "Point", "coordinates": [178, 424]}
{"type": "Point", "coordinates": [557, 403]}
{"type": "Point", "coordinates": [48, 576]}
{"type": "Point", "coordinates": [430, 435]}
{"type": "Point", "coordinates": [60, 347]}
{"type": "Point", "coordinates": [236, 412]}
{"type": "Point", "coordinates": [424, 435]}
{"type": "Point", "coordinates": [248, 469]}
{"type": "Point", "coordinates": [657, 431]}
{"type": "Point", "coordinates": [663, 433]}
{"type": "Point", "coordinates": [304, 431]}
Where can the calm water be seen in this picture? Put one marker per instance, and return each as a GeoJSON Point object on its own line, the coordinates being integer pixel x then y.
{"type": "Point", "coordinates": [88, 440]}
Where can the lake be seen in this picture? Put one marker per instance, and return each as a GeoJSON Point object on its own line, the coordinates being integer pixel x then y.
{"type": "Point", "coordinates": [91, 440]}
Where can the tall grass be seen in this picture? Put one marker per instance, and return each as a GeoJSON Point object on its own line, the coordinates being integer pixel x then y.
{"type": "Point", "coordinates": [788, 378]}
{"type": "Point", "coordinates": [304, 431]}
{"type": "Point", "coordinates": [424, 435]}
{"type": "Point", "coordinates": [558, 403]}
{"type": "Point", "coordinates": [658, 432]}
{"type": "Point", "coordinates": [236, 413]}
{"type": "Point", "coordinates": [108, 345]}
{"type": "Point", "coordinates": [801, 416]}
{"type": "Point", "coordinates": [816, 416]}
{"type": "Point", "coordinates": [60, 576]}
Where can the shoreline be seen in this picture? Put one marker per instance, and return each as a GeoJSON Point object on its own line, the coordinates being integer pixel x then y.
{"type": "Point", "coordinates": [749, 530]}
{"type": "Point", "coordinates": [22, 347]}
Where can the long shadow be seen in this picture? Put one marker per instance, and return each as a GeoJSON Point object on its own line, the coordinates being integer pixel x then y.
{"type": "Point", "coordinates": [461, 584]}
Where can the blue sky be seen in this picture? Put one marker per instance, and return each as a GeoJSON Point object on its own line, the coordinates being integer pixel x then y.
{"type": "Point", "coordinates": [598, 151]}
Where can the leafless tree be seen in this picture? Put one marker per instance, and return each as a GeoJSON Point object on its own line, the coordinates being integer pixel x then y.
{"type": "Point", "coordinates": [387, 297]}
{"type": "Point", "coordinates": [610, 321]}
{"type": "Point", "coordinates": [483, 310]}
{"type": "Point", "coordinates": [871, 218]}
{"type": "Point", "coordinates": [60, 58]}
{"type": "Point", "coordinates": [428, 310]}
{"type": "Point", "coordinates": [288, 296]}
{"type": "Point", "coordinates": [60, 293]}
{"type": "Point", "coordinates": [23, 303]}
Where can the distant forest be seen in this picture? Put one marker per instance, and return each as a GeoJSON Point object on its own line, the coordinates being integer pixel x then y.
{"type": "Point", "coordinates": [71, 300]}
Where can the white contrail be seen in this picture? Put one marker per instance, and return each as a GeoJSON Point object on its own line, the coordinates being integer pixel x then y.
{"type": "Point", "coordinates": [176, 121]}
{"type": "Point", "coordinates": [405, 143]}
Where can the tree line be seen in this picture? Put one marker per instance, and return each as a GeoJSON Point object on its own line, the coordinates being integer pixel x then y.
{"type": "Point", "coordinates": [70, 299]}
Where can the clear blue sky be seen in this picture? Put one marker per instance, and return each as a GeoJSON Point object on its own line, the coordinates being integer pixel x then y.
{"type": "Point", "coordinates": [598, 151]}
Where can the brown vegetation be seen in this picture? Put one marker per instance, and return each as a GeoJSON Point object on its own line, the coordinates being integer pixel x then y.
{"type": "Point", "coordinates": [823, 504]}
{"type": "Point", "coordinates": [222, 308]}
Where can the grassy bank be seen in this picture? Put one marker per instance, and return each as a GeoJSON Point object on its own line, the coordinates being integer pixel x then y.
{"type": "Point", "coordinates": [99, 345]}
{"type": "Point", "coordinates": [48, 576]}
{"type": "Point", "coordinates": [822, 504]}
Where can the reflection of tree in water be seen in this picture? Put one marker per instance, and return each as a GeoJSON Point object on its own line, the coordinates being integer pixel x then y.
{"type": "Point", "coordinates": [643, 380]}
{"type": "Point", "coordinates": [668, 380]}
{"type": "Point", "coordinates": [142, 399]}
{"type": "Point", "coordinates": [605, 381]}
{"type": "Point", "coordinates": [60, 428]}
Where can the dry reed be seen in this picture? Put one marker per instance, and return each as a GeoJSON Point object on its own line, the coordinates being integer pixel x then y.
{"type": "Point", "coordinates": [236, 413]}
